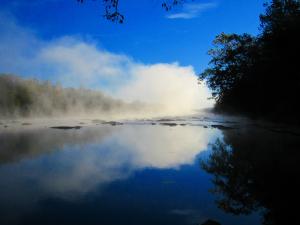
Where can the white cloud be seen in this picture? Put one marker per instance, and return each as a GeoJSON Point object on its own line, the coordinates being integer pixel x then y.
{"type": "Point", "coordinates": [192, 10]}
{"type": "Point", "coordinates": [76, 62]}
{"type": "Point", "coordinates": [73, 61]}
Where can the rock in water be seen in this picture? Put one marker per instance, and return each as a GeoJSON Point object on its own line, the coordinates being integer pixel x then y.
{"type": "Point", "coordinates": [66, 127]}
{"type": "Point", "coordinates": [210, 222]}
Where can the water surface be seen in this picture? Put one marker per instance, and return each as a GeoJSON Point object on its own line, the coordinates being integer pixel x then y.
{"type": "Point", "coordinates": [140, 172]}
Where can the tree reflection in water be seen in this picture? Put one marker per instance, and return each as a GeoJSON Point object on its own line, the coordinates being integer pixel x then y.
{"type": "Point", "coordinates": [256, 171]}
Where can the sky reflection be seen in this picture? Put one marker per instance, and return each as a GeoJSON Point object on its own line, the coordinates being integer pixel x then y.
{"type": "Point", "coordinates": [46, 163]}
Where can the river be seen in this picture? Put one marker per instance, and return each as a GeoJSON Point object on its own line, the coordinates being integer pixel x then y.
{"type": "Point", "coordinates": [135, 172]}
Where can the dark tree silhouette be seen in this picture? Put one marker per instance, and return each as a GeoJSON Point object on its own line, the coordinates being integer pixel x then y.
{"type": "Point", "coordinates": [279, 15]}
{"type": "Point", "coordinates": [259, 75]}
{"type": "Point", "coordinates": [229, 64]}
{"type": "Point", "coordinates": [112, 11]}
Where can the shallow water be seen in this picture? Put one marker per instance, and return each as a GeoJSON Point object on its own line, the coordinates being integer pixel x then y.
{"type": "Point", "coordinates": [137, 172]}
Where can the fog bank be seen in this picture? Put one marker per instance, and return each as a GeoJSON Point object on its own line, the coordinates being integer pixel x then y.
{"type": "Point", "coordinates": [32, 98]}
{"type": "Point", "coordinates": [79, 62]}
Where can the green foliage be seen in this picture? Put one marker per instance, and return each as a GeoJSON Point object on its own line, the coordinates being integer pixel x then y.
{"type": "Point", "coordinates": [259, 75]}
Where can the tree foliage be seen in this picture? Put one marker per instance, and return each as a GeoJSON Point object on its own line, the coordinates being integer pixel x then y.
{"type": "Point", "coordinates": [259, 75]}
{"type": "Point", "coordinates": [230, 61]}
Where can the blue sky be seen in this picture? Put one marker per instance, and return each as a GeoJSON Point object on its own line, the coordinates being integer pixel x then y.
{"type": "Point", "coordinates": [147, 34]}
{"type": "Point", "coordinates": [153, 57]}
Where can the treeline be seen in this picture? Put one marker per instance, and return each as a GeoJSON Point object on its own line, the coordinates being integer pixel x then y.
{"type": "Point", "coordinates": [28, 97]}
{"type": "Point", "coordinates": [259, 75]}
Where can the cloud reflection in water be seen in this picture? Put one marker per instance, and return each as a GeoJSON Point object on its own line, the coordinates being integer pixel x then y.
{"type": "Point", "coordinates": [40, 164]}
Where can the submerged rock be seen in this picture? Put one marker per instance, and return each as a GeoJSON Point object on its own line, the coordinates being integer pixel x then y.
{"type": "Point", "coordinates": [169, 124]}
{"type": "Point", "coordinates": [24, 124]}
{"type": "Point", "coordinates": [164, 120]}
{"type": "Point", "coordinates": [210, 222]}
{"type": "Point", "coordinates": [66, 127]}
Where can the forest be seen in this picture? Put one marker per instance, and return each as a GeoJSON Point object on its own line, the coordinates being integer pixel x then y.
{"type": "Point", "coordinates": [30, 97]}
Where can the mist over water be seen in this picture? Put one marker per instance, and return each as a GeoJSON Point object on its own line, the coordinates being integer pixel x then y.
{"type": "Point", "coordinates": [169, 88]}
{"type": "Point", "coordinates": [30, 98]}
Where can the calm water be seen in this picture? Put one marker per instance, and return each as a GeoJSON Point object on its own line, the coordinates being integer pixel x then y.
{"type": "Point", "coordinates": [138, 173]}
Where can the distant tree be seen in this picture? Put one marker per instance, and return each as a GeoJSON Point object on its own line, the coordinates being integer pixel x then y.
{"type": "Point", "coordinates": [26, 97]}
{"type": "Point", "coordinates": [111, 8]}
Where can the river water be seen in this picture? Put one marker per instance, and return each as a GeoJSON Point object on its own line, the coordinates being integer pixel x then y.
{"type": "Point", "coordinates": [146, 171]}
